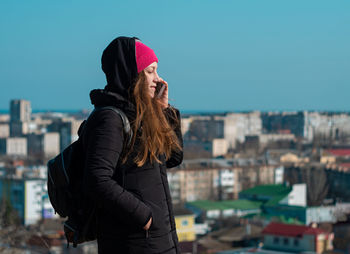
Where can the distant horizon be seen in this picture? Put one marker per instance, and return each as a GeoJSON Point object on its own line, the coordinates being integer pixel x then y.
{"type": "Point", "coordinates": [4, 111]}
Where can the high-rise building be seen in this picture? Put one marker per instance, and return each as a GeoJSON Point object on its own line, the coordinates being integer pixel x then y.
{"type": "Point", "coordinates": [20, 114]}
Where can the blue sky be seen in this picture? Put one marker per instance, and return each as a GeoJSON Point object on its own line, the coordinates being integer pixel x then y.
{"type": "Point", "coordinates": [216, 55]}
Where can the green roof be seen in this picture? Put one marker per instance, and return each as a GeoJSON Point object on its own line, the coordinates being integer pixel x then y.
{"type": "Point", "coordinates": [226, 204]}
{"type": "Point", "coordinates": [281, 218]}
{"type": "Point", "coordinates": [283, 207]}
{"type": "Point", "coordinates": [275, 200]}
{"type": "Point", "coordinates": [268, 190]}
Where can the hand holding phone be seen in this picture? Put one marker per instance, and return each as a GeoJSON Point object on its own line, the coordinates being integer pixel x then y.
{"type": "Point", "coordinates": [160, 90]}
{"type": "Point", "coordinates": [161, 93]}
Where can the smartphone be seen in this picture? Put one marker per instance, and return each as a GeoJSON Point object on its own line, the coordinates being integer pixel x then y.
{"type": "Point", "coordinates": [159, 89]}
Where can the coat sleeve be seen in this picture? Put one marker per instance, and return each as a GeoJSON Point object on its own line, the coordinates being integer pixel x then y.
{"type": "Point", "coordinates": [104, 144]}
{"type": "Point", "coordinates": [174, 119]}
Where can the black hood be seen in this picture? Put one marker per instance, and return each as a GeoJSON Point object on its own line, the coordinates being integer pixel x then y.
{"type": "Point", "coordinates": [101, 98]}
{"type": "Point", "coordinates": [119, 65]}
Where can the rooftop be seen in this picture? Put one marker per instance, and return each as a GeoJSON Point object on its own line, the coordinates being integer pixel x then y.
{"type": "Point", "coordinates": [339, 152]}
{"type": "Point", "coordinates": [291, 230]}
{"type": "Point", "coordinates": [227, 204]}
{"type": "Point", "coordinates": [273, 190]}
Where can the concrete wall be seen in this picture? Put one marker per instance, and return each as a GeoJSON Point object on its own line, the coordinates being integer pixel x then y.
{"type": "Point", "coordinates": [297, 197]}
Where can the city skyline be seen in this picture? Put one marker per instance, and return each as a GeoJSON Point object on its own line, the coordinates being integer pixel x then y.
{"type": "Point", "coordinates": [187, 112]}
{"type": "Point", "coordinates": [227, 56]}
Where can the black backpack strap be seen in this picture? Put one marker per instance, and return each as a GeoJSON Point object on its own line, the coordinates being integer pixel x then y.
{"type": "Point", "coordinates": [126, 123]}
{"type": "Point", "coordinates": [127, 128]}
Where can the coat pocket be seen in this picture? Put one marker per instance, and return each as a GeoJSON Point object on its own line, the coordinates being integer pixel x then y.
{"type": "Point", "coordinates": [160, 220]}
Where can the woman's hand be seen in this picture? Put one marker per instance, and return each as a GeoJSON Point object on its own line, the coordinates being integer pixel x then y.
{"type": "Point", "coordinates": [148, 225]}
{"type": "Point", "coordinates": [163, 99]}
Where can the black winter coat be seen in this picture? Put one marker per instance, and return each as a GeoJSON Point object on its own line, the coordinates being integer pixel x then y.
{"type": "Point", "coordinates": [127, 195]}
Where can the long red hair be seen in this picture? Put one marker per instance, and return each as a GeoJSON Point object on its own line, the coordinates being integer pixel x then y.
{"type": "Point", "coordinates": [156, 136]}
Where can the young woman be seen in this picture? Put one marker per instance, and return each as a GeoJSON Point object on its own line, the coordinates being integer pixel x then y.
{"type": "Point", "coordinates": [129, 183]}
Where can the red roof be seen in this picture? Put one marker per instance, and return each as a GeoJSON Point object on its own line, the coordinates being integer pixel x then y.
{"type": "Point", "coordinates": [290, 230]}
{"type": "Point", "coordinates": [339, 152]}
{"type": "Point", "coordinates": [345, 165]}
{"type": "Point", "coordinates": [287, 131]}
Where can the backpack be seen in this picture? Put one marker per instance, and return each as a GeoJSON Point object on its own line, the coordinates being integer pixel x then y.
{"type": "Point", "coordinates": [65, 185]}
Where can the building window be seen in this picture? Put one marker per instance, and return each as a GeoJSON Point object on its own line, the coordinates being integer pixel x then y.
{"type": "Point", "coordinates": [184, 222]}
{"type": "Point", "coordinates": [276, 240]}
{"type": "Point", "coordinates": [296, 242]}
{"type": "Point", "coordinates": [285, 241]}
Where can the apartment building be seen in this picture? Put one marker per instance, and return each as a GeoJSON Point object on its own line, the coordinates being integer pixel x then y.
{"type": "Point", "coordinates": [239, 125]}
{"type": "Point", "coordinates": [193, 182]}
{"type": "Point", "coordinates": [336, 126]}
{"type": "Point", "coordinates": [45, 144]}
{"type": "Point", "coordinates": [13, 146]}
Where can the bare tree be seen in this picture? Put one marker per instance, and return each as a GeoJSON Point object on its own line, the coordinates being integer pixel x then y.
{"type": "Point", "coordinates": [317, 185]}
{"type": "Point", "coordinates": [8, 215]}
{"type": "Point", "coordinates": [316, 181]}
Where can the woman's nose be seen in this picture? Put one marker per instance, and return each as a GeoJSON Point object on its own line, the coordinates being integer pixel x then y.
{"type": "Point", "coordinates": [157, 78]}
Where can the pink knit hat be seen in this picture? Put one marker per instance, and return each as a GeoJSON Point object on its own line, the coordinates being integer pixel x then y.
{"type": "Point", "coordinates": [144, 56]}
